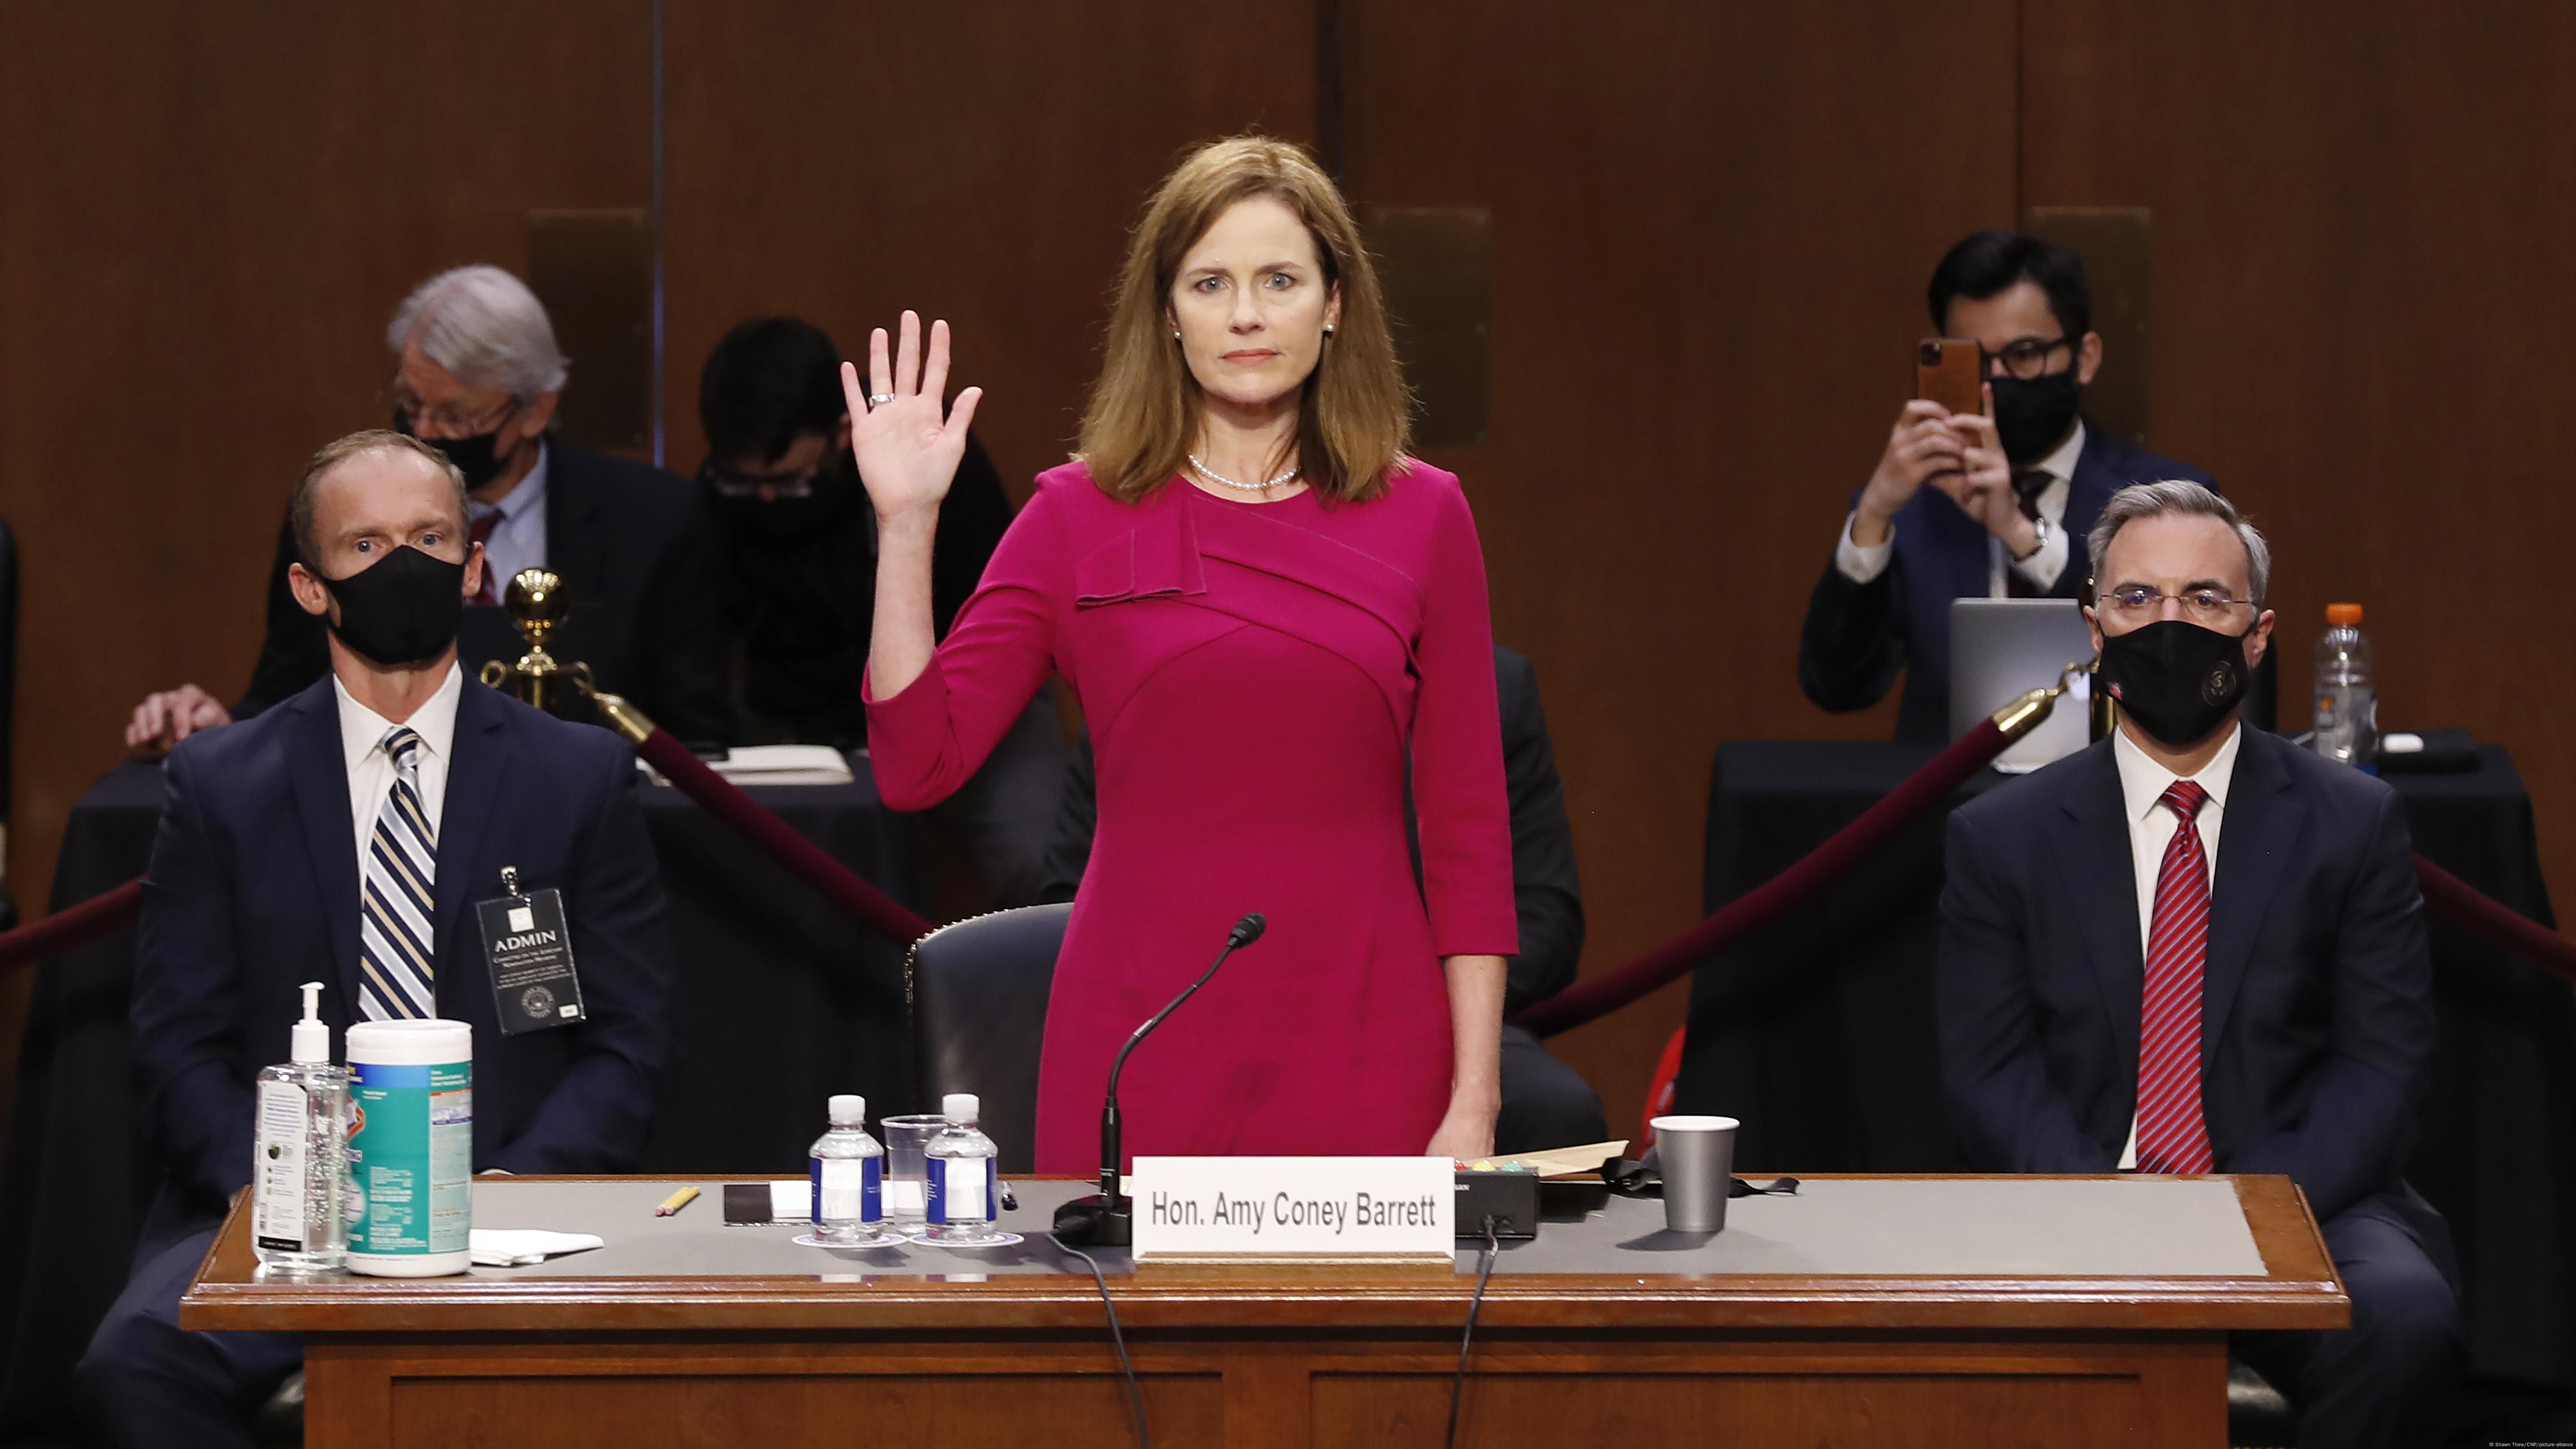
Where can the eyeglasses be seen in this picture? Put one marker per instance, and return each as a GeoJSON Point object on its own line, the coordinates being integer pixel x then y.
{"type": "Point", "coordinates": [739, 485]}
{"type": "Point", "coordinates": [2025, 357]}
{"type": "Point", "coordinates": [2139, 603]}
{"type": "Point", "coordinates": [445, 421]}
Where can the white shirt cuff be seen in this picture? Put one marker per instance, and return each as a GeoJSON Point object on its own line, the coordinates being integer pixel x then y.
{"type": "Point", "coordinates": [2041, 569]}
{"type": "Point", "coordinates": [1860, 565]}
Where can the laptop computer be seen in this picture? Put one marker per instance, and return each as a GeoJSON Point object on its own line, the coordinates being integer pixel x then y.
{"type": "Point", "coordinates": [2003, 648]}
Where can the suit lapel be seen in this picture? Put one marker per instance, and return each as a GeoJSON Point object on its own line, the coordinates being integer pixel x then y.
{"type": "Point", "coordinates": [474, 780]}
{"type": "Point", "coordinates": [2088, 492]}
{"type": "Point", "coordinates": [572, 543]}
{"type": "Point", "coordinates": [2102, 884]}
{"type": "Point", "coordinates": [2254, 840]}
{"type": "Point", "coordinates": [320, 776]}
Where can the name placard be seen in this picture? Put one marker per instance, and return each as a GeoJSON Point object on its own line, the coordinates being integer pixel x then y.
{"type": "Point", "coordinates": [1294, 1207]}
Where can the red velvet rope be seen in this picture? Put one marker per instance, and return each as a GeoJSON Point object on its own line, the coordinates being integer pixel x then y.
{"type": "Point", "coordinates": [803, 859]}
{"type": "Point", "coordinates": [2482, 916]}
{"type": "Point", "coordinates": [2498, 925]}
{"type": "Point", "coordinates": [2495, 923]}
{"type": "Point", "coordinates": [1767, 902]}
{"type": "Point", "coordinates": [73, 927]}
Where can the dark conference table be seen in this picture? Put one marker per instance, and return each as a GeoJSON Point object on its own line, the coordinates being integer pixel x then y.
{"type": "Point", "coordinates": [1818, 1032]}
{"type": "Point", "coordinates": [782, 1001]}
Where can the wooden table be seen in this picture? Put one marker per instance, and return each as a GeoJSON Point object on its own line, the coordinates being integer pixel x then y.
{"type": "Point", "coordinates": [593, 1353]}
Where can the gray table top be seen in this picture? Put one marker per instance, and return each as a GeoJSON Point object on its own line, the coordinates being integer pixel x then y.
{"type": "Point", "coordinates": [1948, 1228]}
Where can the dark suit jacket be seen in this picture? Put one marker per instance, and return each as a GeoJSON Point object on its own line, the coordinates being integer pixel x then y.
{"type": "Point", "coordinates": [254, 888]}
{"type": "Point", "coordinates": [2316, 1004]}
{"type": "Point", "coordinates": [1858, 636]}
{"type": "Point", "coordinates": [633, 545]}
{"type": "Point", "coordinates": [1544, 885]}
{"type": "Point", "coordinates": [800, 608]}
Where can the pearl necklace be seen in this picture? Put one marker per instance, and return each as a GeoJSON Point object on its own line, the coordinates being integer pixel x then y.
{"type": "Point", "coordinates": [1213, 476]}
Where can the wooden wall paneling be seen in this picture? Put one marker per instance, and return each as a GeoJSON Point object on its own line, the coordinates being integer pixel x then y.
{"type": "Point", "coordinates": [2362, 320]}
{"type": "Point", "coordinates": [981, 163]}
{"type": "Point", "coordinates": [1711, 228]}
{"type": "Point", "coordinates": [207, 214]}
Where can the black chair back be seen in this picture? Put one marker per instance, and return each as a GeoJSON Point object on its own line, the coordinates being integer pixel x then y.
{"type": "Point", "coordinates": [978, 995]}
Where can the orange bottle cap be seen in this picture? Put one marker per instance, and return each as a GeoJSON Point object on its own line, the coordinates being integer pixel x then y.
{"type": "Point", "coordinates": [2343, 616]}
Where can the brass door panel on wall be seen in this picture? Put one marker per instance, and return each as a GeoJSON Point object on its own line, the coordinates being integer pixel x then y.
{"type": "Point", "coordinates": [594, 272]}
{"type": "Point", "coordinates": [1436, 264]}
{"type": "Point", "coordinates": [2117, 245]}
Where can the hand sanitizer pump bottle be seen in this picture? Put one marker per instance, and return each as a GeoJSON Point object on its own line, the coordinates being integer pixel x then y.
{"type": "Point", "coordinates": [301, 1151]}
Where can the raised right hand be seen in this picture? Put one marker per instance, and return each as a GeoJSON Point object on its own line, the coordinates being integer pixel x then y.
{"type": "Point", "coordinates": [1920, 446]}
{"type": "Point", "coordinates": [907, 454]}
{"type": "Point", "coordinates": [164, 719]}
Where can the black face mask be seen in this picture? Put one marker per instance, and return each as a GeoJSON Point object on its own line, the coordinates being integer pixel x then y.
{"type": "Point", "coordinates": [477, 457]}
{"type": "Point", "coordinates": [2176, 678]}
{"type": "Point", "coordinates": [402, 609]}
{"type": "Point", "coordinates": [789, 520]}
{"type": "Point", "coordinates": [2032, 415]}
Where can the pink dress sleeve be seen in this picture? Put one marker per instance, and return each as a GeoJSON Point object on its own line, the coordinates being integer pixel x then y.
{"type": "Point", "coordinates": [1458, 794]}
{"type": "Point", "coordinates": [926, 740]}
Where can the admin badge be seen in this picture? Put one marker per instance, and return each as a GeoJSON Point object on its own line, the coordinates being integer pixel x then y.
{"type": "Point", "coordinates": [527, 946]}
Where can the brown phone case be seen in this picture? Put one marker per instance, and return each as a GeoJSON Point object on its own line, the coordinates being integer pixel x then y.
{"type": "Point", "coordinates": [1951, 371]}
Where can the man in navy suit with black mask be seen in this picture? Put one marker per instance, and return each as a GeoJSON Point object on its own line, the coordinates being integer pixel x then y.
{"type": "Point", "coordinates": [2196, 947]}
{"type": "Point", "coordinates": [345, 836]}
{"type": "Point", "coordinates": [1968, 506]}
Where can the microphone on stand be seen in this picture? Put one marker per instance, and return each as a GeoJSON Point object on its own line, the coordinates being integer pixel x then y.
{"type": "Point", "coordinates": [1107, 1218]}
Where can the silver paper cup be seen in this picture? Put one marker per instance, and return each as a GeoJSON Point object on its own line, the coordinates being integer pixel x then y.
{"type": "Point", "coordinates": [1697, 1157]}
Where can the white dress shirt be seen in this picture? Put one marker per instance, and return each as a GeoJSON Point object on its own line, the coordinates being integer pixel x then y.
{"type": "Point", "coordinates": [2040, 570]}
{"type": "Point", "coordinates": [2143, 783]}
{"type": "Point", "coordinates": [371, 770]}
{"type": "Point", "coordinates": [518, 540]}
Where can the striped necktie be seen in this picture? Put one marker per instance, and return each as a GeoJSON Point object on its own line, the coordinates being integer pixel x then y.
{"type": "Point", "coordinates": [396, 978]}
{"type": "Point", "coordinates": [2173, 1135]}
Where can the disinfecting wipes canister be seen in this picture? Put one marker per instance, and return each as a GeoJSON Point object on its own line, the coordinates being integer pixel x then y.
{"type": "Point", "coordinates": [411, 1147]}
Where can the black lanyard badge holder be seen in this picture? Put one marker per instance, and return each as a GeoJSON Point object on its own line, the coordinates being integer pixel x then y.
{"type": "Point", "coordinates": [528, 947]}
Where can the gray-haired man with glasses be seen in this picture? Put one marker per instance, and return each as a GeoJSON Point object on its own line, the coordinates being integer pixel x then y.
{"type": "Point", "coordinates": [1973, 505]}
{"type": "Point", "coordinates": [477, 375]}
{"type": "Point", "coordinates": [2197, 948]}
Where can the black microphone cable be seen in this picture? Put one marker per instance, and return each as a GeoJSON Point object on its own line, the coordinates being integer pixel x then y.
{"type": "Point", "coordinates": [1126, 1365]}
{"type": "Point", "coordinates": [1484, 1275]}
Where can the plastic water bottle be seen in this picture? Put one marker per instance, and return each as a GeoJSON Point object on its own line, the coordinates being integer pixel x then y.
{"type": "Point", "coordinates": [965, 1179]}
{"type": "Point", "coordinates": [2347, 692]}
{"type": "Point", "coordinates": [849, 1180]}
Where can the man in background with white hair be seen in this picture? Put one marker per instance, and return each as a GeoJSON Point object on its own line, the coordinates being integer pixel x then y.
{"type": "Point", "coordinates": [477, 375]}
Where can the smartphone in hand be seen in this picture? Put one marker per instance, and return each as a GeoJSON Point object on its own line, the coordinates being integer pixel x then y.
{"type": "Point", "coordinates": [1951, 371]}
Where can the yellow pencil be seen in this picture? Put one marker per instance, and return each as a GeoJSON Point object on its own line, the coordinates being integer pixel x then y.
{"type": "Point", "coordinates": [676, 1201]}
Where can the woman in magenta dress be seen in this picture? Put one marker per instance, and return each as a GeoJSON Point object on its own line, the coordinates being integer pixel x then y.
{"type": "Point", "coordinates": [1268, 613]}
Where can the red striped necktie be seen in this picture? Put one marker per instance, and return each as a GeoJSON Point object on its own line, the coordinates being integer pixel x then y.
{"type": "Point", "coordinates": [2172, 1135]}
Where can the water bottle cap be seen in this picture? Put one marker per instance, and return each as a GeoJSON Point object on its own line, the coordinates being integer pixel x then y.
{"type": "Point", "coordinates": [2344, 616]}
{"type": "Point", "coordinates": [961, 1108]}
{"type": "Point", "coordinates": [849, 1110]}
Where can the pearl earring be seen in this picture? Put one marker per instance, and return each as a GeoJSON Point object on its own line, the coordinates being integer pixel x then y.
{"type": "Point", "coordinates": [1328, 329]}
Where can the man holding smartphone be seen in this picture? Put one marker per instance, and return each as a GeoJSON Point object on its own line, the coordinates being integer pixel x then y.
{"type": "Point", "coordinates": [1972, 504]}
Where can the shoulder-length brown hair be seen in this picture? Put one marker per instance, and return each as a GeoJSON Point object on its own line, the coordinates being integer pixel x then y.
{"type": "Point", "coordinates": [1355, 413]}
